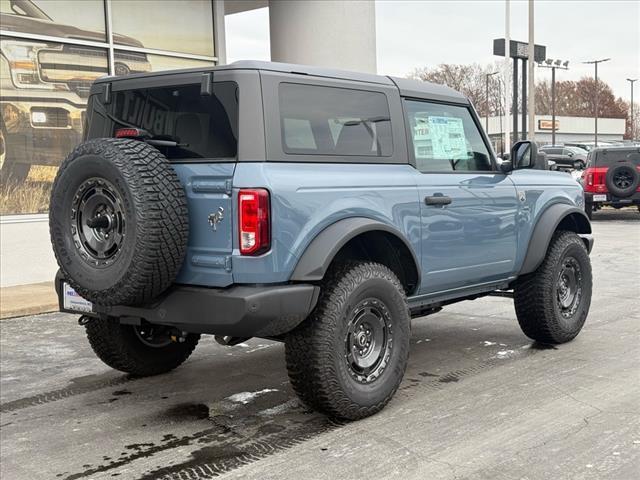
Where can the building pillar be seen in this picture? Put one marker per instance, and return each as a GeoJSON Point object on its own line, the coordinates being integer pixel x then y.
{"type": "Point", "coordinates": [323, 33]}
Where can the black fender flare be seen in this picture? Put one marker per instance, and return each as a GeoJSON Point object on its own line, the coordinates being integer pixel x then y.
{"type": "Point", "coordinates": [545, 227]}
{"type": "Point", "coordinates": [318, 255]}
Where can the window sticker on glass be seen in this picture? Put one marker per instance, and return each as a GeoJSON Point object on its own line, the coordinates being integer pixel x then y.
{"type": "Point", "coordinates": [439, 137]}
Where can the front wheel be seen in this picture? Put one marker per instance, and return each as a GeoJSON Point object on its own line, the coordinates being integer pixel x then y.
{"type": "Point", "coordinates": [552, 303]}
{"type": "Point", "coordinates": [139, 350]}
{"type": "Point", "coordinates": [348, 358]}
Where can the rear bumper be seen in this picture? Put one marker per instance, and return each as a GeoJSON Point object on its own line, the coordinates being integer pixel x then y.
{"type": "Point", "coordinates": [612, 200]}
{"type": "Point", "coordinates": [239, 311]}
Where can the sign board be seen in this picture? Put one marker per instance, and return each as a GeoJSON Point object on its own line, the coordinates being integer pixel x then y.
{"type": "Point", "coordinates": [547, 125]}
{"type": "Point", "coordinates": [519, 50]}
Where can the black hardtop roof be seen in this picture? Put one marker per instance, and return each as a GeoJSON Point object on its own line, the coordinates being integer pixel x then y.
{"type": "Point", "coordinates": [407, 87]}
{"type": "Point", "coordinates": [617, 148]}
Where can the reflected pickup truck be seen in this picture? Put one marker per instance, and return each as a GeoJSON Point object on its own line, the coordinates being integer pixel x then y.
{"type": "Point", "coordinates": [320, 208]}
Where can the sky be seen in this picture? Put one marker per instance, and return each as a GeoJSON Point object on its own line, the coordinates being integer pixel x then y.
{"type": "Point", "coordinates": [412, 34]}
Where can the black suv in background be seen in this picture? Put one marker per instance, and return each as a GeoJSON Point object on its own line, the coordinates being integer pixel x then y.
{"type": "Point", "coordinates": [612, 177]}
{"type": "Point", "coordinates": [566, 156]}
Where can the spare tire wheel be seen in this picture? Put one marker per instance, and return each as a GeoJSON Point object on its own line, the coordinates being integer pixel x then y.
{"type": "Point", "coordinates": [118, 221]}
{"type": "Point", "coordinates": [622, 179]}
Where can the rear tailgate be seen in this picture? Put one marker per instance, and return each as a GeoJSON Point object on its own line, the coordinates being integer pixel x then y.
{"type": "Point", "coordinates": [211, 223]}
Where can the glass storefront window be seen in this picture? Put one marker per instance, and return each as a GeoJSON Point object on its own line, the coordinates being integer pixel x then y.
{"type": "Point", "coordinates": [58, 18]}
{"type": "Point", "coordinates": [44, 84]}
{"type": "Point", "coordinates": [186, 26]}
{"type": "Point", "coordinates": [44, 89]}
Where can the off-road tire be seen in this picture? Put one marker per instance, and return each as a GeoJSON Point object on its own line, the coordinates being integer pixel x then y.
{"type": "Point", "coordinates": [628, 169]}
{"type": "Point", "coordinates": [315, 350]}
{"type": "Point", "coordinates": [536, 296]}
{"type": "Point", "coordinates": [155, 221]}
{"type": "Point", "coordinates": [120, 348]}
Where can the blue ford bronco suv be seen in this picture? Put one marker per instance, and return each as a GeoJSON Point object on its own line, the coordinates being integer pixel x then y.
{"type": "Point", "coordinates": [320, 208]}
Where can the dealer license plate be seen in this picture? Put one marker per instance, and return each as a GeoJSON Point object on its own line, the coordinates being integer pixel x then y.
{"type": "Point", "coordinates": [72, 301]}
{"type": "Point", "coordinates": [600, 198]}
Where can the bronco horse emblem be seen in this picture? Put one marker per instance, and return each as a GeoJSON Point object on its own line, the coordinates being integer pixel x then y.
{"type": "Point", "coordinates": [216, 218]}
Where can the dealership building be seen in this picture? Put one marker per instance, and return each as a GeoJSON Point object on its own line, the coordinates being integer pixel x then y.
{"type": "Point", "coordinates": [51, 52]}
{"type": "Point", "coordinates": [567, 129]}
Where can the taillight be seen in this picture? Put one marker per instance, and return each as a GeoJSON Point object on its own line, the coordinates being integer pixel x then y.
{"type": "Point", "coordinates": [130, 133]}
{"type": "Point", "coordinates": [595, 180]}
{"type": "Point", "coordinates": [590, 178]}
{"type": "Point", "coordinates": [253, 221]}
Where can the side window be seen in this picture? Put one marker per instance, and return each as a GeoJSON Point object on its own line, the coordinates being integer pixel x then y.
{"type": "Point", "coordinates": [445, 138]}
{"type": "Point", "coordinates": [319, 120]}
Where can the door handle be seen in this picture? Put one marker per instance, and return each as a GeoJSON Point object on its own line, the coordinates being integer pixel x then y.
{"type": "Point", "coordinates": [437, 199]}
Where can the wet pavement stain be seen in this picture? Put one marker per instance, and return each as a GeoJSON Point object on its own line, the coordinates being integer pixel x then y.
{"type": "Point", "coordinates": [542, 346]}
{"type": "Point", "coordinates": [427, 374]}
{"type": "Point", "coordinates": [187, 411]}
{"type": "Point", "coordinates": [448, 378]}
{"type": "Point", "coordinates": [119, 393]}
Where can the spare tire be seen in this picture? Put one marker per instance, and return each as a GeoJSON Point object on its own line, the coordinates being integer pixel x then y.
{"type": "Point", "coordinates": [118, 221]}
{"type": "Point", "coordinates": [622, 179]}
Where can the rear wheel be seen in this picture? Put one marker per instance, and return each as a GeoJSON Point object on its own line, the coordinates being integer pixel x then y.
{"type": "Point", "coordinates": [552, 303]}
{"type": "Point", "coordinates": [139, 350]}
{"type": "Point", "coordinates": [348, 358]}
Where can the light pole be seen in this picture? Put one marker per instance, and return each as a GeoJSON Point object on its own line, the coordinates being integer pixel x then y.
{"type": "Point", "coordinates": [596, 62]}
{"type": "Point", "coordinates": [553, 64]}
{"type": "Point", "coordinates": [633, 133]}
{"type": "Point", "coordinates": [486, 99]}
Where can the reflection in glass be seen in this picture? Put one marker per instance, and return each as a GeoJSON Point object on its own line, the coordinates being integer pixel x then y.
{"type": "Point", "coordinates": [59, 18]}
{"type": "Point", "coordinates": [174, 25]}
{"type": "Point", "coordinates": [43, 87]}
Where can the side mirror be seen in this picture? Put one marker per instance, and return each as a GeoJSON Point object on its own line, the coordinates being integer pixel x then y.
{"type": "Point", "coordinates": [524, 154]}
{"type": "Point", "coordinates": [506, 166]}
{"type": "Point", "coordinates": [570, 154]}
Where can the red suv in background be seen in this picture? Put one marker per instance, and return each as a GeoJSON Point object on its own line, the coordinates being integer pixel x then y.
{"type": "Point", "coordinates": [612, 177]}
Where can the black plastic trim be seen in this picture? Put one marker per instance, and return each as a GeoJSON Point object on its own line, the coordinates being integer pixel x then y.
{"type": "Point", "coordinates": [543, 231]}
{"type": "Point", "coordinates": [239, 311]}
{"type": "Point", "coordinates": [318, 256]}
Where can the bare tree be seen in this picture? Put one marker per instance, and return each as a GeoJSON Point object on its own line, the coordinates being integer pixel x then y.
{"type": "Point", "coordinates": [469, 80]}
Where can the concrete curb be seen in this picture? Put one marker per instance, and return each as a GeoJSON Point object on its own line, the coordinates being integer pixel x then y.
{"type": "Point", "coordinates": [32, 299]}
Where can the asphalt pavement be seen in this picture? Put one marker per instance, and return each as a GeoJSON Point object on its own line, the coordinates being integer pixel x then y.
{"type": "Point", "coordinates": [479, 400]}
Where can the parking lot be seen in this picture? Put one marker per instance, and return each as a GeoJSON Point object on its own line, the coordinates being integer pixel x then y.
{"type": "Point", "coordinates": [478, 401]}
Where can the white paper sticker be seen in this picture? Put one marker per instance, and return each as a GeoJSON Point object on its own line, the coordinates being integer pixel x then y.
{"type": "Point", "coordinates": [72, 301]}
{"type": "Point", "coordinates": [440, 137]}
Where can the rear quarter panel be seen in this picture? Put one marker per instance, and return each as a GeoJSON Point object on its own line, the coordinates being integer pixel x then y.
{"type": "Point", "coordinates": [308, 197]}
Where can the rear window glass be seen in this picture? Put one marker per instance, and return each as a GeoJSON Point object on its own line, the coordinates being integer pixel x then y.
{"type": "Point", "coordinates": [205, 126]}
{"type": "Point", "coordinates": [334, 121]}
{"type": "Point", "coordinates": [609, 157]}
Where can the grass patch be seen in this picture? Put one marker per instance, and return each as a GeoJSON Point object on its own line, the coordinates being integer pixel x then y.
{"type": "Point", "coordinates": [28, 197]}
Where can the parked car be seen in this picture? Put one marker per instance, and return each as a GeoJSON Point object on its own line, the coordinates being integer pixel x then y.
{"type": "Point", "coordinates": [612, 177]}
{"type": "Point", "coordinates": [588, 146]}
{"type": "Point", "coordinates": [45, 86]}
{"type": "Point", "coordinates": [566, 156]}
{"type": "Point", "coordinates": [324, 210]}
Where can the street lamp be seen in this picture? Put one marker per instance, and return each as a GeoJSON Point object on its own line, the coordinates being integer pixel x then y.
{"type": "Point", "coordinates": [633, 133]}
{"type": "Point", "coordinates": [486, 99]}
{"type": "Point", "coordinates": [553, 65]}
{"type": "Point", "coordinates": [596, 62]}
